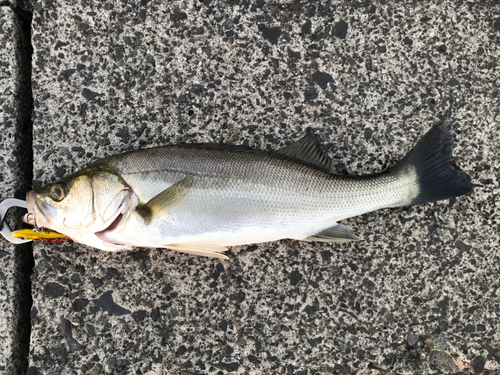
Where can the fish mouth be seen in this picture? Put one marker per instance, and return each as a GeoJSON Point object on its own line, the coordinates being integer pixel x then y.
{"type": "Point", "coordinates": [35, 215]}
{"type": "Point", "coordinates": [29, 218]}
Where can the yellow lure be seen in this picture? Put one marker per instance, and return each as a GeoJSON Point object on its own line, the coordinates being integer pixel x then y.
{"type": "Point", "coordinates": [43, 235]}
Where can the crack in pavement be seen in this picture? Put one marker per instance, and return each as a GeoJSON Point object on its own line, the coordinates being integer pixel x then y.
{"type": "Point", "coordinates": [23, 156]}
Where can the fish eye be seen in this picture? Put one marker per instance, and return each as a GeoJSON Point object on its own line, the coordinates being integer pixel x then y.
{"type": "Point", "coordinates": [57, 193]}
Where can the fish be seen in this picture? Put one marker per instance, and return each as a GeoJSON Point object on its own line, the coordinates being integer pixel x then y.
{"type": "Point", "coordinates": [201, 198]}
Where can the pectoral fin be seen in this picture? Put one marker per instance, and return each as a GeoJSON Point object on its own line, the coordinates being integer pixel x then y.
{"type": "Point", "coordinates": [165, 201]}
{"type": "Point", "coordinates": [203, 249]}
{"type": "Point", "coordinates": [337, 233]}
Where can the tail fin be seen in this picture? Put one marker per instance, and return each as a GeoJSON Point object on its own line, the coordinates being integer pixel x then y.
{"type": "Point", "coordinates": [437, 175]}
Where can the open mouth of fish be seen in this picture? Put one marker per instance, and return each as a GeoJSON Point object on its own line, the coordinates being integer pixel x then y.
{"type": "Point", "coordinates": [35, 214]}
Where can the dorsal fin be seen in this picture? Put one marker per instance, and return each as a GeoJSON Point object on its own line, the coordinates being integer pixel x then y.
{"type": "Point", "coordinates": [308, 151]}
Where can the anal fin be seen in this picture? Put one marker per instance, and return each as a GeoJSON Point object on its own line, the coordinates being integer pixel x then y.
{"type": "Point", "coordinates": [337, 233]}
{"type": "Point", "coordinates": [203, 249]}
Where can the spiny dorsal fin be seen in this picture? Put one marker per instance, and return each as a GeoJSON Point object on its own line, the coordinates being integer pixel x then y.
{"type": "Point", "coordinates": [165, 201]}
{"type": "Point", "coordinates": [308, 151]}
{"type": "Point", "coordinates": [337, 233]}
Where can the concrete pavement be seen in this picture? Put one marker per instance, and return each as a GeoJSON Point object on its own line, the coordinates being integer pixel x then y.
{"type": "Point", "coordinates": [419, 294]}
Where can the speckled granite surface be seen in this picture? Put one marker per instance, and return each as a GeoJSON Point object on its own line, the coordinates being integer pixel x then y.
{"type": "Point", "coordinates": [14, 291]}
{"type": "Point", "coordinates": [419, 295]}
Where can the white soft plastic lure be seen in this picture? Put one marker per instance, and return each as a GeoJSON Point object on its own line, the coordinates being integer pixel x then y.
{"type": "Point", "coordinates": [201, 198]}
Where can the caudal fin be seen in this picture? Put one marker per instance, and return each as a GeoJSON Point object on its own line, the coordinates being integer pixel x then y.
{"type": "Point", "coordinates": [438, 177]}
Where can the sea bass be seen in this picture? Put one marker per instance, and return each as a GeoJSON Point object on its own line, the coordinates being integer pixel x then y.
{"type": "Point", "coordinates": [201, 198]}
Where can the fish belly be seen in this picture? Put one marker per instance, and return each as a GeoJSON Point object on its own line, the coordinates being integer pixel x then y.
{"type": "Point", "coordinates": [228, 214]}
{"type": "Point", "coordinates": [235, 211]}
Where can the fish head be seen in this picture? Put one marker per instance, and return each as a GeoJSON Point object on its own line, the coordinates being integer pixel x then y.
{"type": "Point", "coordinates": [83, 204]}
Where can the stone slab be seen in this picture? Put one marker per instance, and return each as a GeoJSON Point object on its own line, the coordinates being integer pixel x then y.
{"type": "Point", "coordinates": [14, 280]}
{"type": "Point", "coordinates": [420, 293]}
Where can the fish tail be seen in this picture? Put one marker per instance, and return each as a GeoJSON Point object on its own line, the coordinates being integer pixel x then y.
{"type": "Point", "coordinates": [431, 167]}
